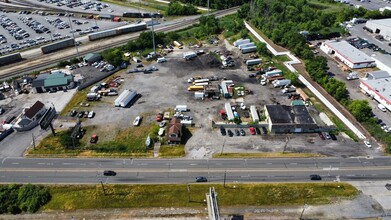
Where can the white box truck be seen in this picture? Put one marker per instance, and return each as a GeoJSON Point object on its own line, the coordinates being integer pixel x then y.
{"type": "Point", "coordinates": [253, 62]}
{"type": "Point", "coordinates": [189, 55]}
{"type": "Point", "coordinates": [281, 83]}
{"type": "Point", "coordinates": [181, 108]}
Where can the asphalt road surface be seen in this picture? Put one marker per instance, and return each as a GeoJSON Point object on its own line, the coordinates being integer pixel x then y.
{"type": "Point", "coordinates": [130, 171]}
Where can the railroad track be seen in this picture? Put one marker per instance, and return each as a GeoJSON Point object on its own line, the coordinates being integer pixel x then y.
{"type": "Point", "coordinates": [28, 66]}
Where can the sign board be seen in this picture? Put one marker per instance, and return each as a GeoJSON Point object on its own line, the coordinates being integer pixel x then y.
{"type": "Point", "coordinates": [47, 118]}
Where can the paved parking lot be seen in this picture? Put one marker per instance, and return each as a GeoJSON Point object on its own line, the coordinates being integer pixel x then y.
{"type": "Point", "coordinates": [52, 32]}
{"type": "Point", "coordinates": [95, 7]}
{"type": "Point", "coordinates": [371, 4]}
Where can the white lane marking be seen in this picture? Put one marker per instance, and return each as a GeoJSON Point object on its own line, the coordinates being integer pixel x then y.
{"type": "Point", "coordinates": [193, 164]}
{"type": "Point", "coordinates": [3, 160]}
{"type": "Point", "coordinates": [293, 163]}
{"type": "Point", "coordinates": [15, 163]}
{"type": "Point", "coordinates": [332, 168]}
{"type": "Point", "coordinates": [178, 170]}
{"type": "Point", "coordinates": [143, 164]}
{"type": "Point", "coordinates": [269, 163]}
{"type": "Point", "coordinates": [66, 163]}
{"type": "Point", "coordinates": [41, 163]}
{"type": "Point", "coordinates": [219, 164]}
{"type": "Point", "coordinates": [140, 177]}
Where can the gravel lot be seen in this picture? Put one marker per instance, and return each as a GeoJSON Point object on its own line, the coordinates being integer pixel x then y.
{"type": "Point", "coordinates": [166, 88]}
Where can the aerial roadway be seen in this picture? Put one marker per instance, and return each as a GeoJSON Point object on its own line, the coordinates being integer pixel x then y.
{"type": "Point", "coordinates": [43, 61]}
{"type": "Point", "coordinates": [131, 171]}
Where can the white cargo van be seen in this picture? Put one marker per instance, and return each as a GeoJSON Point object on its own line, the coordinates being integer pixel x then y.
{"type": "Point", "coordinates": [161, 60]}
{"type": "Point", "coordinates": [382, 107]}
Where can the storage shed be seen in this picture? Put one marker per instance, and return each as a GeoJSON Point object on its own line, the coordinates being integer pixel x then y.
{"type": "Point", "coordinates": [92, 58]}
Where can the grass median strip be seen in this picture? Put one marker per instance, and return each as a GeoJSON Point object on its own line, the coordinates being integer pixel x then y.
{"type": "Point", "coordinates": [266, 155]}
{"type": "Point", "coordinates": [72, 197]}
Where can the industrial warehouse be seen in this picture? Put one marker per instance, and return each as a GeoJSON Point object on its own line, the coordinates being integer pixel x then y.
{"type": "Point", "coordinates": [381, 27]}
{"type": "Point", "coordinates": [377, 85]}
{"type": "Point", "coordinates": [347, 54]}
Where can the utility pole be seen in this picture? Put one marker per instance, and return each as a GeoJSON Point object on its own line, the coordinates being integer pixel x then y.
{"type": "Point", "coordinates": [33, 141]}
{"type": "Point", "coordinates": [208, 8]}
{"type": "Point", "coordinates": [153, 37]}
{"type": "Point", "coordinates": [188, 191]}
{"type": "Point", "coordinates": [225, 176]}
{"type": "Point", "coordinates": [222, 148]}
{"type": "Point", "coordinates": [73, 34]}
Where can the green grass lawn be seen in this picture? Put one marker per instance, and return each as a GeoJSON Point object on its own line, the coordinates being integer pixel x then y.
{"type": "Point", "coordinates": [112, 142]}
{"type": "Point", "coordinates": [72, 197]}
{"type": "Point", "coordinates": [167, 151]}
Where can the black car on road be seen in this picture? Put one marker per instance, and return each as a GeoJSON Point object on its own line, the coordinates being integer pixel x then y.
{"type": "Point", "coordinates": [315, 177]}
{"type": "Point", "coordinates": [109, 173]}
{"type": "Point", "coordinates": [201, 179]}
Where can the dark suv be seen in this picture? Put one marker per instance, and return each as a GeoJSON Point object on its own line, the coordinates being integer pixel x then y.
{"type": "Point", "coordinates": [109, 173]}
{"type": "Point", "coordinates": [315, 177]}
{"type": "Point", "coordinates": [201, 179]}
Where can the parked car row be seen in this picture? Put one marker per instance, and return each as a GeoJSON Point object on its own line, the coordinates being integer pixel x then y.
{"type": "Point", "coordinates": [103, 66]}
{"type": "Point", "coordinates": [13, 29]}
{"type": "Point", "coordinates": [33, 24]}
{"type": "Point", "coordinates": [58, 23]}
{"type": "Point", "coordinates": [96, 6]}
{"type": "Point", "coordinates": [327, 136]}
{"type": "Point", "coordinates": [241, 132]}
{"type": "Point", "coordinates": [82, 114]}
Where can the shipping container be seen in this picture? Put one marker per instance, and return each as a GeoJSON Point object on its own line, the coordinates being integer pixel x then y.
{"type": "Point", "coordinates": [199, 95]}
{"type": "Point", "coordinates": [200, 81]}
{"type": "Point", "coordinates": [254, 113]}
{"type": "Point", "coordinates": [249, 49]}
{"type": "Point", "coordinates": [246, 45]}
{"type": "Point", "coordinates": [253, 62]}
{"type": "Point", "coordinates": [58, 45]}
{"type": "Point", "coordinates": [241, 41]}
{"type": "Point", "coordinates": [275, 72]}
{"type": "Point", "coordinates": [102, 34]}
{"type": "Point", "coordinates": [10, 58]}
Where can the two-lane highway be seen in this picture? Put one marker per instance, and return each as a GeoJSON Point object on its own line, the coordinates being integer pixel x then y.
{"type": "Point", "coordinates": [130, 171]}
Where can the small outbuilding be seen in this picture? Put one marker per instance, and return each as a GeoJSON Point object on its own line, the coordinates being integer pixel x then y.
{"type": "Point", "coordinates": [92, 58]}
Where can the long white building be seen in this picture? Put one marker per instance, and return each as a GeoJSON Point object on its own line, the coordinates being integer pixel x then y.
{"type": "Point", "coordinates": [377, 84]}
{"type": "Point", "coordinates": [347, 54]}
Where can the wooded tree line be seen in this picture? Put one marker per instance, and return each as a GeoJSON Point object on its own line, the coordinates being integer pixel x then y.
{"type": "Point", "coordinates": [176, 8]}
{"type": "Point", "coordinates": [16, 199]}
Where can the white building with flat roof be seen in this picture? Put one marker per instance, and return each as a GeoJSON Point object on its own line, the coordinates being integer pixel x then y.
{"type": "Point", "coordinates": [347, 54]}
{"type": "Point", "coordinates": [377, 84]}
{"type": "Point", "coordinates": [381, 27]}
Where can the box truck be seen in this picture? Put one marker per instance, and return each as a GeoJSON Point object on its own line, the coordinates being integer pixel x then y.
{"type": "Point", "coordinates": [181, 108]}
{"type": "Point", "coordinates": [281, 83]}
{"type": "Point", "coordinates": [248, 49]}
{"type": "Point", "coordinates": [189, 55]}
{"type": "Point", "coordinates": [246, 45]}
{"type": "Point", "coordinates": [275, 72]}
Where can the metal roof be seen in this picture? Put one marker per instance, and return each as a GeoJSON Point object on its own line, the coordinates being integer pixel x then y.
{"type": "Point", "coordinates": [283, 114]}
{"type": "Point", "coordinates": [348, 51]}
{"type": "Point", "coordinates": [381, 22]}
{"type": "Point", "coordinates": [382, 86]}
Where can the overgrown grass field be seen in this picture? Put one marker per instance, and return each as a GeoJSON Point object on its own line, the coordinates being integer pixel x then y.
{"type": "Point", "coordinates": [71, 197]}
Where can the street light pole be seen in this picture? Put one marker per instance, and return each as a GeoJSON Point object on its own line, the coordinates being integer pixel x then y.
{"type": "Point", "coordinates": [73, 34]}
{"type": "Point", "coordinates": [153, 37]}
